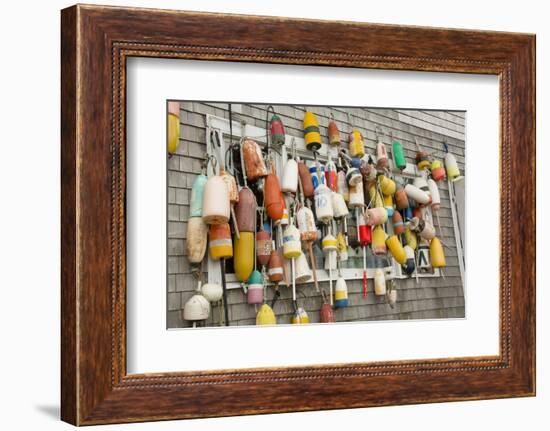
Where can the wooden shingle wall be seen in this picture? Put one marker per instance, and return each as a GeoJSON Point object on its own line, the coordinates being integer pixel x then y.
{"type": "Point", "coordinates": [431, 298]}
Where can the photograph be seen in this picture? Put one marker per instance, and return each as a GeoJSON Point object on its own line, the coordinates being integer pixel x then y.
{"type": "Point", "coordinates": [295, 214]}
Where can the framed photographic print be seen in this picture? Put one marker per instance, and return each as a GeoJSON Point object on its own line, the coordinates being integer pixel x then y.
{"type": "Point", "coordinates": [350, 217]}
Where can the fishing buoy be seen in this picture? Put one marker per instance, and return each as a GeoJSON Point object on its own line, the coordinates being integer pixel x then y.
{"type": "Point", "coordinates": [396, 249]}
{"type": "Point", "coordinates": [407, 213]}
{"type": "Point", "coordinates": [378, 241]}
{"type": "Point", "coordinates": [365, 238]}
{"type": "Point", "coordinates": [197, 238]}
{"type": "Point", "coordinates": [397, 222]}
{"type": "Point", "coordinates": [326, 314]}
{"type": "Point", "coordinates": [450, 164]}
{"type": "Point", "coordinates": [422, 157]}
{"type": "Point", "coordinates": [381, 155]}
{"type": "Point", "coordinates": [220, 245]}
{"type": "Point", "coordinates": [317, 176]}
{"type": "Point", "coordinates": [292, 247]}
{"type": "Point", "coordinates": [277, 130]}
{"type": "Point", "coordinates": [289, 183]}
{"type": "Point", "coordinates": [233, 194]}
{"type": "Point", "coordinates": [438, 171]}
{"type": "Point", "coordinates": [306, 224]}
{"type": "Point", "coordinates": [342, 247]}
{"type": "Point", "coordinates": [339, 207]}
{"type": "Point", "coordinates": [263, 247]}
{"type": "Point", "coordinates": [387, 185]}
{"type": "Point", "coordinates": [173, 127]}
{"type": "Point", "coordinates": [356, 196]}
{"type": "Point", "coordinates": [356, 144]}
{"type": "Point", "coordinates": [398, 155]}
{"type": "Point", "coordinates": [331, 176]}
{"type": "Point", "coordinates": [245, 210]}
{"type": "Point", "coordinates": [409, 265]}
{"type": "Point", "coordinates": [410, 238]}
{"type": "Point", "coordinates": [391, 297]}
{"type": "Point", "coordinates": [300, 317]}
{"type": "Point", "coordinates": [274, 205]}
{"type": "Point", "coordinates": [243, 260]}
{"type": "Point", "coordinates": [212, 292]}
{"type": "Point", "coordinates": [353, 177]}
{"type": "Point", "coordinates": [275, 269]}
{"type": "Point", "coordinates": [312, 135]}
{"type": "Point", "coordinates": [323, 204]}
{"type": "Point", "coordinates": [422, 227]}
{"type": "Point", "coordinates": [376, 216]}
{"type": "Point", "coordinates": [303, 271]}
{"type": "Point", "coordinates": [417, 195]}
{"type": "Point", "coordinates": [437, 254]}
{"type": "Point", "coordinates": [340, 293]}
{"type": "Point", "coordinates": [255, 290]}
{"type": "Point", "coordinates": [368, 171]}
{"type": "Point", "coordinates": [308, 233]}
{"type": "Point", "coordinates": [215, 204]}
{"type": "Point", "coordinates": [333, 133]}
{"type": "Point", "coordinates": [376, 200]}
{"type": "Point", "coordinates": [434, 192]}
{"type": "Point", "coordinates": [283, 221]}
{"type": "Point", "coordinates": [379, 282]}
{"type": "Point", "coordinates": [253, 160]}
{"type": "Point", "coordinates": [197, 196]}
{"type": "Point", "coordinates": [401, 199]}
{"type": "Point", "coordinates": [197, 308]}
{"type": "Point", "coordinates": [305, 180]}
{"type": "Point", "coordinates": [265, 316]}
{"type": "Point", "coordinates": [417, 212]}
{"type": "Point", "coordinates": [330, 250]}
{"type": "Point", "coordinates": [343, 188]}
{"type": "Point", "coordinates": [388, 205]}
{"type": "Point", "coordinates": [421, 183]}
{"type": "Point", "coordinates": [424, 255]}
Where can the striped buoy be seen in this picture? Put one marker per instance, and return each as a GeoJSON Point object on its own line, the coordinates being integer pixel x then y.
{"type": "Point", "coordinates": [341, 293]}
{"type": "Point", "coordinates": [277, 130]}
{"type": "Point", "coordinates": [438, 171]}
{"type": "Point", "coordinates": [388, 204]}
{"type": "Point", "coordinates": [397, 222]}
{"type": "Point", "coordinates": [312, 135]}
{"type": "Point", "coordinates": [220, 245]}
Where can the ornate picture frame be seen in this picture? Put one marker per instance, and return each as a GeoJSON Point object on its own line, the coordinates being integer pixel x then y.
{"type": "Point", "coordinates": [96, 41]}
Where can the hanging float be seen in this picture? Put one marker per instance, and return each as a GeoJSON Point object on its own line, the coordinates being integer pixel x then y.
{"type": "Point", "coordinates": [312, 135]}
{"type": "Point", "coordinates": [173, 127]}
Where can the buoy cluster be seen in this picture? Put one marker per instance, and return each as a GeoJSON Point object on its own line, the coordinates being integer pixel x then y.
{"type": "Point", "coordinates": [267, 225]}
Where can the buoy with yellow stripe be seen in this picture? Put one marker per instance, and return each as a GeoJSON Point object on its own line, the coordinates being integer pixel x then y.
{"type": "Point", "coordinates": [422, 157]}
{"type": "Point", "coordinates": [312, 135]}
{"type": "Point", "coordinates": [438, 171]}
{"type": "Point", "coordinates": [220, 245]}
{"type": "Point", "coordinates": [340, 292]}
{"type": "Point", "coordinates": [173, 127]}
{"type": "Point", "coordinates": [388, 205]}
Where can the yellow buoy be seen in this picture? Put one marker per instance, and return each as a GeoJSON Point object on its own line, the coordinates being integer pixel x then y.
{"type": "Point", "coordinates": [312, 135]}
{"type": "Point", "coordinates": [375, 198]}
{"type": "Point", "coordinates": [387, 185]}
{"type": "Point", "coordinates": [300, 317]}
{"type": "Point", "coordinates": [243, 260]}
{"type": "Point", "coordinates": [356, 144]}
{"type": "Point", "coordinates": [396, 249]}
{"type": "Point", "coordinates": [437, 254]}
{"type": "Point", "coordinates": [266, 316]}
{"type": "Point", "coordinates": [173, 126]}
{"type": "Point", "coordinates": [410, 238]}
{"type": "Point", "coordinates": [378, 241]}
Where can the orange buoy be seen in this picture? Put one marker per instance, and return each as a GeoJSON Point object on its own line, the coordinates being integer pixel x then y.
{"type": "Point", "coordinates": [305, 180]}
{"type": "Point", "coordinates": [401, 199]}
{"type": "Point", "coordinates": [272, 197]}
{"type": "Point", "coordinates": [333, 133]}
{"type": "Point", "coordinates": [275, 269]}
{"type": "Point", "coordinates": [253, 160]}
{"type": "Point", "coordinates": [219, 241]}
